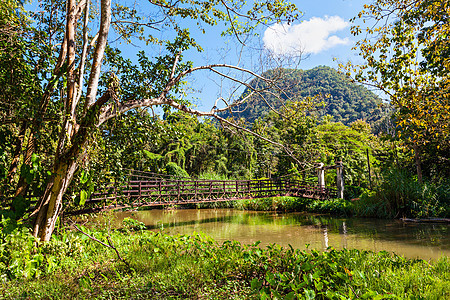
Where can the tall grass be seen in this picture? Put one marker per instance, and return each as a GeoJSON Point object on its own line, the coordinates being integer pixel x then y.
{"type": "Point", "coordinates": [401, 195]}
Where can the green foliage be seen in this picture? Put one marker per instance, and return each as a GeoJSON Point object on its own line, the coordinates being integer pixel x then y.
{"type": "Point", "coordinates": [163, 266]}
{"type": "Point", "coordinates": [272, 204]}
{"type": "Point", "coordinates": [405, 52]}
{"type": "Point", "coordinates": [132, 224]}
{"type": "Point", "coordinates": [400, 195]}
{"type": "Point", "coordinates": [174, 170]}
{"type": "Point", "coordinates": [340, 207]}
{"type": "Point", "coordinates": [18, 256]}
{"type": "Point", "coordinates": [335, 141]}
{"type": "Point", "coordinates": [346, 102]}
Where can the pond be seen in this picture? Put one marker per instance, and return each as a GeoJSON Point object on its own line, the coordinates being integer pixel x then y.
{"type": "Point", "coordinates": [300, 230]}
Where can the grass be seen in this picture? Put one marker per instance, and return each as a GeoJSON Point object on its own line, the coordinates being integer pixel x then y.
{"type": "Point", "coordinates": [400, 195]}
{"type": "Point", "coordinates": [72, 266]}
{"type": "Point", "coordinates": [333, 206]}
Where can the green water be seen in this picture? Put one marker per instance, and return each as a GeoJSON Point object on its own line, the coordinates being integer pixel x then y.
{"type": "Point", "coordinates": [426, 241]}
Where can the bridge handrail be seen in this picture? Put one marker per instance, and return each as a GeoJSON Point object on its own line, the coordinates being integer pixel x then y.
{"type": "Point", "coordinates": [161, 187]}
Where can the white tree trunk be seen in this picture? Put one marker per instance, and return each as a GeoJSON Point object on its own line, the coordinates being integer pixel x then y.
{"type": "Point", "coordinates": [52, 201]}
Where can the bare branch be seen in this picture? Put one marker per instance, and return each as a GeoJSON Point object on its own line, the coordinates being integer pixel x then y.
{"type": "Point", "coordinates": [109, 245]}
{"type": "Point", "coordinates": [98, 54]}
{"type": "Point", "coordinates": [83, 54]}
{"type": "Point", "coordinates": [175, 63]}
{"type": "Point", "coordinates": [149, 24]}
{"type": "Point", "coordinates": [232, 24]}
{"type": "Point", "coordinates": [210, 67]}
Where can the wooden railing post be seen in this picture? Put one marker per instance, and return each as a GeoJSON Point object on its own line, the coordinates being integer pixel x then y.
{"type": "Point", "coordinates": [195, 189]}
{"type": "Point", "coordinates": [140, 189]}
{"type": "Point", "coordinates": [340, 179]}
{"type": "Point", "coordinates": [321, 176]}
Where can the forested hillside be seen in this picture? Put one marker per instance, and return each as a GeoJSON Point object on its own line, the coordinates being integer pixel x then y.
{"type": "Point", "coordinates": [342, 99]}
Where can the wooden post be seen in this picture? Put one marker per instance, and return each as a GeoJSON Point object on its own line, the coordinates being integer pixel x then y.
{"type": "Point", "coordinates": [368, 166]}
{"type": "Point", "coordinates": [140, 188]}
{"type": "Point", "coordinates": [321, 176]}
{"type": "Point", "coordinates": [418, 163]}
{"type": "Point", "coordinates": [159, 185]}
{"type": "Point", "coordinates": [340, 179]}
{"type": "Point", "coordinates": [196, 186]}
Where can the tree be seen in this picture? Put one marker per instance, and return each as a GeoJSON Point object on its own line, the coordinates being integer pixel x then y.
{"type": "Point", "coordinates": [19, 82]}
{"type": "Point", "coordinates": [406, 51]}
{"type": "Point", "coordinates": [87, 96]}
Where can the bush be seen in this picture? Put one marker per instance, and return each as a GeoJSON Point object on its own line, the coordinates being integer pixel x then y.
{"type": "Point", "coordinates": [400, 195]}
{"type": "Point", "coordinates": [282, 203]}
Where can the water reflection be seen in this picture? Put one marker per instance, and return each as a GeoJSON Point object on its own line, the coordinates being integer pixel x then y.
{"type": "Point", "coordinates": [427, 241]}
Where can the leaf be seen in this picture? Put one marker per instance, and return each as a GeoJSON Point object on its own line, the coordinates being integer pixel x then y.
{"type": "Point", "coordinates": [290, 296]}
{"type": "Point", "coordinates": [310, 294]}
{"type": "Point", "coordinates": [83, 197]}
{"type": "Point", "coordinates": [319, 285]}
{"type": "Point", "coordinates": [255, 284]}
{"type": "Point", "coordinates": [84, 177]}
{"type": "Point", "coordinates": [276, 295]}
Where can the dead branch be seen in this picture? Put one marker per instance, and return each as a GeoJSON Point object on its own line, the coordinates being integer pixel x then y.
{"type": "Point", "coordinates": [109, 245]}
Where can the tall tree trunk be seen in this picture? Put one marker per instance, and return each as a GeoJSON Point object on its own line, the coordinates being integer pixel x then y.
{"type": "Point", "coordinates": [51, 203]}
{"type": "Point", "coordinates": [65, 166]}
{"type": "Point", "coordinates": [72, 141]}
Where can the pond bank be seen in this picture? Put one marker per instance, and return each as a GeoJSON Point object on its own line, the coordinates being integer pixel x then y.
{"type": "Point", "coordinates": [195, 266]}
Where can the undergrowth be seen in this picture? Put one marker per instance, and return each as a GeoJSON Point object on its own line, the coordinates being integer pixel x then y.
{"type": "Point", "coordinates": [340, 207]}
{"type": "Point", "coordinates": [400, 195]}
{"type": "Point", "coordinates": [180, 267]}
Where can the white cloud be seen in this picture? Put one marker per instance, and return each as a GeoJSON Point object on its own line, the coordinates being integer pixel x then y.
{"type": "Point", "coordinates": [311, 36]}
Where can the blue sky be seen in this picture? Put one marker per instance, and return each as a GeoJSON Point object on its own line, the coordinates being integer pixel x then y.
{"type": "Point", "coordinates": [322, 34]}
{"type": "Point", "coordinates": [323, 31]}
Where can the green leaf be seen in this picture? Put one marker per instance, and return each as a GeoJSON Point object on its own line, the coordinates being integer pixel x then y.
{"type": "Point", "coordinates": [83, 197]}
{"type": "Point", "coordinates": [290, 296]}
{"type": "Point", "coordinates": [310, 294]}
{"type": "Point", "coordinates": [84, 177]}
{"type": "Point", "coordinates": [255, 284]}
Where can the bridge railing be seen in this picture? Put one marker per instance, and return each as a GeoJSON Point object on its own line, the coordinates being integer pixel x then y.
{"type": "Point", "coordinates": [162, 190]}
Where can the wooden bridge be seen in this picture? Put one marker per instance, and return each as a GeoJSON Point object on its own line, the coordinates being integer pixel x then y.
{"type": "Point", "coordinates": [143, 190]}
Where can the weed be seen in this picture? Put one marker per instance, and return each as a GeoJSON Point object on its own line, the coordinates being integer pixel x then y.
{"type": "Point", "coordinates": [196, 266]}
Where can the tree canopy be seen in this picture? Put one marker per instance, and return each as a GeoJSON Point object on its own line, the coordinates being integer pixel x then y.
{"type": "Point", "coordinates": [406, 53]}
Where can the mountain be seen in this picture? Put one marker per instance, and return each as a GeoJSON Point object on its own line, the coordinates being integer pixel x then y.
{"type": "Point", "coordinates": [344, 100]}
